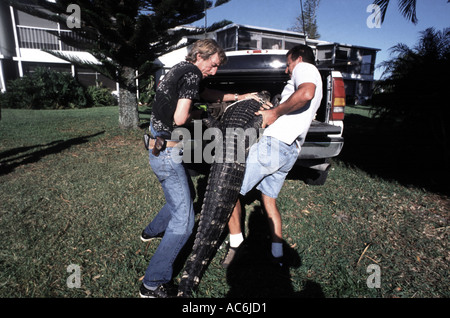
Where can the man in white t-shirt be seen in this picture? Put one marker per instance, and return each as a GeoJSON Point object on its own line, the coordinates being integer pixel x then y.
{"type": "Point", "coordinates": [270, 160]}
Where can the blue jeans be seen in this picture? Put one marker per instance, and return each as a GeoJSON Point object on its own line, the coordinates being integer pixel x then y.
{"type": "Point", "coordinates": [267, 165]}
{"type": "Point", "coordinates": [176, 218]}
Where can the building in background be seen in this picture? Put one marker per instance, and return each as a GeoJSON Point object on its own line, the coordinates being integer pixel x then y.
{"type": "Point", "coordinates": [356, 63]}
{"type": "Point", "coordinates": [24, 37]}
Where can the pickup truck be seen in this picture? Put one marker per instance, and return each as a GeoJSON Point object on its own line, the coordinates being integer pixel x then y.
{"type": "Point", "coordinates": [264, 70]}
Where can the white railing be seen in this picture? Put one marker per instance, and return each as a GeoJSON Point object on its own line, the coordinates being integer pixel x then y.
{"type": "Point", "coordinates": [42, 38]}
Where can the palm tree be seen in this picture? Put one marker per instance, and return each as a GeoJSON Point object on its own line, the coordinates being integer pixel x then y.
{"type": "Point", "coordinates": [411, 93]}
{"type": "Point", "coordinates": [406, 7]}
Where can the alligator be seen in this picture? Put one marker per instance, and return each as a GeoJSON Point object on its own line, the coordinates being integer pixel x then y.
{"type": "Point", "coordinates": [223, 187]}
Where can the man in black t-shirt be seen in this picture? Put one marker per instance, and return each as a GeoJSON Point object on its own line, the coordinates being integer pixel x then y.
{"type": "Point", "coordinates": [181, 83]}
{"type": "Point", "coordinates": [172, 107]}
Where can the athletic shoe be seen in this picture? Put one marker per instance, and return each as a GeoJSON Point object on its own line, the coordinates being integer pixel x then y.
{"type": "Point", "coordinates": [229, 257]}
{"type": "Point", "coordinates": [145, 237]}
{"type": "Point", "coordinates": [162, 291]}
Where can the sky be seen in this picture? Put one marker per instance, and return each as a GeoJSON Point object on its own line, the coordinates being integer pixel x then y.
{"type": "Point", "coordinates": [342, 21]}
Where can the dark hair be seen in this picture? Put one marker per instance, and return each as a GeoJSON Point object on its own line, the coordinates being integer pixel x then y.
{"type": "Point", "coordinates": [304, 51]}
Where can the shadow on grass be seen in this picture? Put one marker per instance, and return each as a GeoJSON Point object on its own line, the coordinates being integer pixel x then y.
{"type": "Point", "coordinates": [13, 158]}
{"type": "Point", "coordinates": [252, 274]}
{"type": "Point", "coordinates": [391, 153]}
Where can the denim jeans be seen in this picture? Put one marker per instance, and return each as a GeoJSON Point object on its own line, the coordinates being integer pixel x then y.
{"type": "Point", "coordinates": [175, 219]}
{"type": "Point", "coordinates": [268, 163]}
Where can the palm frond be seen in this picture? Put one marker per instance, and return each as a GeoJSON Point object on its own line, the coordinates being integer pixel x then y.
{"type": "Point", "coordinates": [406, 7]}
{"type": "Point", "coordinates": [383, 4]}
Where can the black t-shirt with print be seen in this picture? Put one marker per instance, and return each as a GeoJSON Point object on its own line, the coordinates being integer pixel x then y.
{"type": "Point", "coordinates": [181, 82]}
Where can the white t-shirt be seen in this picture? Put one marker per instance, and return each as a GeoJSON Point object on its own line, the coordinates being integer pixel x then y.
{"type": "Point", "coordinates": [296, 124]}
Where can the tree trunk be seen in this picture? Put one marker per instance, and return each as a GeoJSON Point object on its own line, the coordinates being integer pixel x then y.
{"type": "Point", "coordinates": [128, 106]}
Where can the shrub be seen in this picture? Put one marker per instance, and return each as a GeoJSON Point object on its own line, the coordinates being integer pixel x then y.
{"type": "Point", "coordinates": [412, 95]}
{"type": "Point", "coordinates": [45, 89]}
{"type": "Point", "coordinates": [147, 91]}
{"type": "Point", "coordinates": [100, 96]}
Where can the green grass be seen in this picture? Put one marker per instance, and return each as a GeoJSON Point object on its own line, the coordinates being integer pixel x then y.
{"type": "Point", "coordinates": [75, 189]}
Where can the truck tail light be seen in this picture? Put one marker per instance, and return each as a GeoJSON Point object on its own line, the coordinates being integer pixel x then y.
{"type": "Point", "coordinates": [338, 102]}
{"type": "Point", "coordinates": [258, 51]}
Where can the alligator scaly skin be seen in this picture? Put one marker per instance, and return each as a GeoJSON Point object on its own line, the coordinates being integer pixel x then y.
{"type": "Point", "coordinates": [222, 192]}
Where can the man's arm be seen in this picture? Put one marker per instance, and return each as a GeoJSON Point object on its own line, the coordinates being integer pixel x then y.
{"type": "Point", "coordinates": [298, 99]}
{"type": "Point", "coordinates": [182, 112]}
{"type": "Point", "coordinates": [215, 96]}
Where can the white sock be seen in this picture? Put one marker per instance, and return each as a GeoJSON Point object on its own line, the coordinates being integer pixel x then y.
{"type": "Point", "coordinates": [277, 249]}
{"type": "Point", "coordinates": [150, 288]}
{"type": "Point", "coordinates": [236, 239]}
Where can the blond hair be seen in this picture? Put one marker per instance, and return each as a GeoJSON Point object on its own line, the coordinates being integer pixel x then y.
{"type": "Point", "coordinates": [206, 48]}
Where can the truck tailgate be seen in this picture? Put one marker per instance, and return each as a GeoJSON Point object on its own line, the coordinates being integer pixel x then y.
{"type": "Point", "coordinates": [320, 128]}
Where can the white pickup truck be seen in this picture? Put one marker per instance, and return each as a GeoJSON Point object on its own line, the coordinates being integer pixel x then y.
{"type": "Point", "coordinates": [259, 70]}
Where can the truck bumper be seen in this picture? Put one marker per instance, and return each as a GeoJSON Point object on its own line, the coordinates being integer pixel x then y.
{"type": "Point", "coordinates": [321, 149]}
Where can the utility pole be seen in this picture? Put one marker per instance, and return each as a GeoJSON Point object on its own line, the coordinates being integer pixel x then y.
{"type": "Point", "coordinates": [303, 20]}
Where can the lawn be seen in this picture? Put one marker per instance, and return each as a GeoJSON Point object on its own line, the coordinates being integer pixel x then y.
{"type": "Point", "coordinates": [76, 190]}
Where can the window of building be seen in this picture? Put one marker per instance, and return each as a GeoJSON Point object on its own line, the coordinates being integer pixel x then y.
{"type": "Point", "coordinates": [289, 45]}
{"type": "Point", "coordinates": [342, 54]}
{"type": "Point", "coordinates": [227, 39]}
{"type": "Point", "coordinates": [271, 44]}
{"type": "Point", "coordinates": [366, 64]}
